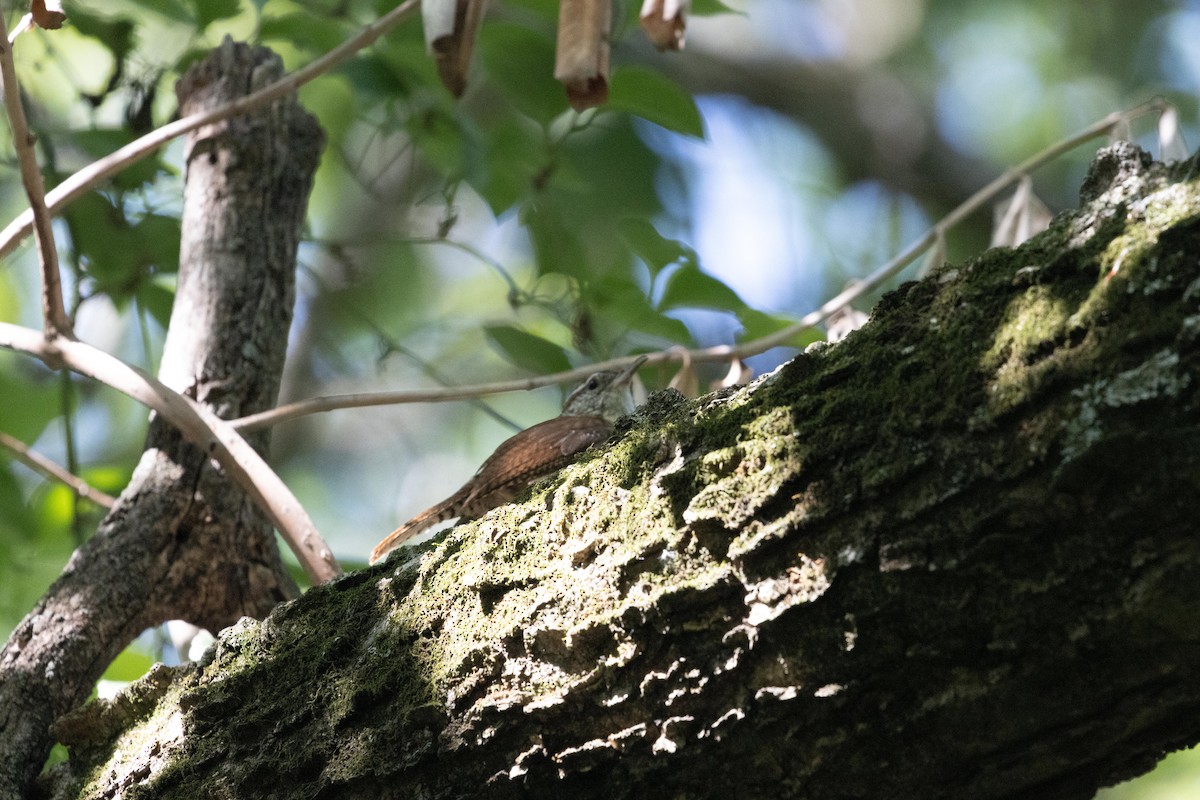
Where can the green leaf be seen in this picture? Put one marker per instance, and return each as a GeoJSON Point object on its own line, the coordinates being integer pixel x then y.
{"type": "Point", "coordinates": [111, 478]}
{"type": "Point", "coordinates": [331, 99]}
{"type": "Point", "coordinates": [14, 513]}
{"type": "Point", "coordinates": [132, 663]}
{"type": "Point", "coordinates": [620, 301]}
{"type": "Point", "coordinates": [119, 255]}
{"type": "Point", "coordinates": [653, 248]}
{"type": "Point", "coordinates": [100, 142]}
{"type": "Point", "coordinates": [302, 29]}
{"type": "Point", "coordinates": [527, 350]}
{"type": "Point", "coordinates": [439, 138]}
{"type": "Point", "coordinates": [170, 9]}
{"type": "Point", "coordinates": [396, 67]}
{"type": "Point", "coordinates": [607, 172]}
{"type": "Point", "coordinates": [653, 97]}
{"type": "Point", "coordinates": [513, 155]}
{"type": "Point", "coordinates": [209, 10]}
{"type": "Point", "coordinates": [156, 298]}
{"type": "Point", "coordinates": [373, 75]}
{"type": "Point", "coordinates": [447, 139]}
{"type": "Point", "coordinates": [706, 8]}
{"type": "Point", "coordinates": [157, 239]}
{"type": "Point", "coordinates": [521, 62]}
{"type": "Point", "coordinates": [115, 34]}
{"type": "Point", "coordinates": [700, 8]}
{"type": "Point", "coordinates": [547, 9]}
{"type": "Point", "coordinates": [100, 235]}
{"type": "Point", "coordinates": [10, 297]}
{"type": "Point", "coordinates": [556, 245]}
{"type": "Point", "coordinates": [26, 405]}
{"type": "Point", "coordinates": [55, 506]}
{"type": "Point", "coordinates": [688, 287]}
{"type": "Point", "coordinates": [190, 56]}
{"type": "Point", "coordinates": [32, 552]}
{"type": "Point", "coordinates": [757, 324]}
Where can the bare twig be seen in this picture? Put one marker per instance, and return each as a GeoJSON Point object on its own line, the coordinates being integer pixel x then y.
{"type": "Point", "coordinates": [720, 352]}
{"type": "Point", "coordinates": [436, 374]}
{"type": "Point", "coordinates": [47, 468]}
{"type": "Point", "coordinates": [931, 236]}
{"type": "Point", "coordinates": [315, 405]}
{"type": "Point", "coordinates": [53, 312]}
{"type": "Point", "coordinates": [99, 171]}
{"type": "Point", "coordinates": [200, 426]}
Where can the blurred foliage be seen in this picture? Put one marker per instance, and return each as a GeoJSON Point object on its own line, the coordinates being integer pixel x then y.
{"type": "Point", "coordinates": [1177, 777]}
{"type": "Point", "coordinates": [723, 192]}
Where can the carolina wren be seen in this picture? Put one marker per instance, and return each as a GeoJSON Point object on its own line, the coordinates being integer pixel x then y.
{"type": "Point", "coordinates": [587, 418]}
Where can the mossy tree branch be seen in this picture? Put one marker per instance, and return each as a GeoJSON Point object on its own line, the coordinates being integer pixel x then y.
{"type": "Point", "coordinates": [952, 556]}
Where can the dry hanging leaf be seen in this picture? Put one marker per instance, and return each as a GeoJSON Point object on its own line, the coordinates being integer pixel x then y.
{"type": "Point", "coordinates": [581, 54]}
{"type": "Point", "coordinates": [1020, 218]}
{"type": "Point", "coordinates": [842, 322]}
{"type": "Point", "coordinates": [437, 18]}
{"type": "Point", "coordinates": [451, 29]}
{"type": "Point", "coordinates": [48, 14]}
{"type": "Point", "coordinates": [685, 381]}
{"type": "Point", "coordinates": [1171, 146]}
{"type": "Point", "coordinates": [663, 22]}
{"type": "Point", "coordinates": [844, 319]}
{"type": "Point", "coordinates": [1120, 131]}
{"type": "Point", "coordinates": [738, 373]}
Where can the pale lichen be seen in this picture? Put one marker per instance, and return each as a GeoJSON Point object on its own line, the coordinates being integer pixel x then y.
{"type": "Point", "coordinates": [1158, 378]}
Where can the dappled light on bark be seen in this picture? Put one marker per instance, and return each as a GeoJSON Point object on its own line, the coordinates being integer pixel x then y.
{"type": "Point", "coordinates": [929, 523]}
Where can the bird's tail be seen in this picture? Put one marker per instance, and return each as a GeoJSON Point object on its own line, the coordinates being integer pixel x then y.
{"type": "Point", "coordinates": [426, 519]}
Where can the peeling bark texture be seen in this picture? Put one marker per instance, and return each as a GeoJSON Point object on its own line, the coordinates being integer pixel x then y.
{"type": "Point", "coordinates": [952, 556]}
{"type": "Point", "coordinates": [183, 542]}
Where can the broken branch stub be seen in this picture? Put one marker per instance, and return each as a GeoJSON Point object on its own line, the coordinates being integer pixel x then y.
{"type": "Point", "coordinates": [581, 61]}
{"type": "Point", "coordinates": [451, 30]}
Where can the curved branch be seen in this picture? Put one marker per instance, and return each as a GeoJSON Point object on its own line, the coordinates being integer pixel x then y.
{"type": "Point", "coordinates": [744, 350]}
{"type": "Point", "coordinates": [99, 171]}
{"type": "Point", "coordinates": [200, 426]}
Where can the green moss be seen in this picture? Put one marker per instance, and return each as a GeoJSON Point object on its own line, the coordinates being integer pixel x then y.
{"type": "Point", "coordinates": [549, 593]}
{"type": "Point", "coordinates": [1032, 324]}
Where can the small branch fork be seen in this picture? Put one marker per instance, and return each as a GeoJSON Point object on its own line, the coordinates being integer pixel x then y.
{"type": "Point", "coordinates": [200, 426]}
{"type": "Point", "coordinates": [729, 353]}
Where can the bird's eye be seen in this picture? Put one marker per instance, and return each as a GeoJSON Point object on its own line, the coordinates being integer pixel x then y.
{"type": "Point", "coordinates": [592, 383]}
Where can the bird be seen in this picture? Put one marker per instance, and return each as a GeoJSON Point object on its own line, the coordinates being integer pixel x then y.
{"type": "Point", "coordinates": [588, 417]}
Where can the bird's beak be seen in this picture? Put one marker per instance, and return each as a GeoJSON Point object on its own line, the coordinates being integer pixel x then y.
{"type": "Point", "coordinates": [627, 374]}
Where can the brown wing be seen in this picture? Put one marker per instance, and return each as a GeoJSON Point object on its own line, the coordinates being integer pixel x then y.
{"type": "Point", "coordinates": [533, 454]}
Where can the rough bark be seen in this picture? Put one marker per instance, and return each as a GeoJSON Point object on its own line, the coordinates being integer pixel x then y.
{"type": "Point", "coordinates": [952, 556]}
{"type": "Point", "coordinates": [183, 542]}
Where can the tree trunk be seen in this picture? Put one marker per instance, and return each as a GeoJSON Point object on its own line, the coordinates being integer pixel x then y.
{"type": "Point", "coordinates": [183, 542]}
{"type": "Point", "coordinates": [952, 556]}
